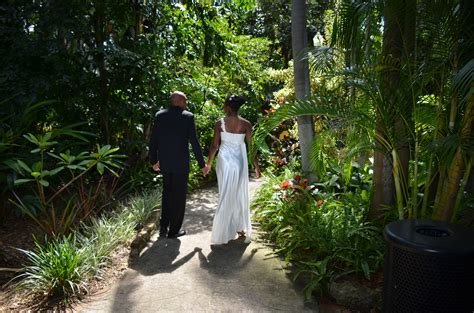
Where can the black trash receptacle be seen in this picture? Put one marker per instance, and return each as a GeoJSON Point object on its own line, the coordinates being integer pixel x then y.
{"type": "Point", "coordinates": [429, 267]}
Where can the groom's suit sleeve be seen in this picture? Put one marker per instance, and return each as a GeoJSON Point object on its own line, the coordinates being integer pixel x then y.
{"type": "Point", "coordinates": [195, 143]}
{"type": "Point", "coordinates": [153, 145]}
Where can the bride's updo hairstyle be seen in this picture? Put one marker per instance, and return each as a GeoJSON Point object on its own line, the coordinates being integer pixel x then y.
{"type": "Point", "coordinates": [234, 102]}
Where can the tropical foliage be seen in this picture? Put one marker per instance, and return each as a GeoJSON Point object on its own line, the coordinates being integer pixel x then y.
{"type": "Point", "coordinates": [322, 228]}
{"type": "Point", "coordinates": [96, 72]}
{"type": "Point", "coordinates": [391, 86]}
{"type": "Point", "coordinates": [421, 125]}
{"type": "Point", "coordinates": [389, 98]}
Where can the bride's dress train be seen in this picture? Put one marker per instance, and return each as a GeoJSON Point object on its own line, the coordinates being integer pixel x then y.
{"type": "Point", "coordinates": [232, 214]}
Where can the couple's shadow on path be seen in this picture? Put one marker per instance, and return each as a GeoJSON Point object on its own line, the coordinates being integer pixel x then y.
{"type": "Point", "coordinates": [224, 260]}
{"type": "Point", "coordinates": [162, 256]}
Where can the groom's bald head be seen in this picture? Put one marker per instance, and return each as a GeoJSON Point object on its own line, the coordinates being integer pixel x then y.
{"type": "Point", "coordinates": [178, 99]}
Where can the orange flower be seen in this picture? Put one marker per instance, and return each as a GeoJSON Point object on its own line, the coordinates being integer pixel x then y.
{"type": "Point", "coordinates": [280, 161]}
{"type": "Point", "coordinates": [285, 184]}
{"type": "Point", "coordinates": [319, 202]}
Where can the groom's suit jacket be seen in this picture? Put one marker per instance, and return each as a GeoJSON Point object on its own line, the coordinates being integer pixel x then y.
{"type": "Point", "coordinates": [173, 130]}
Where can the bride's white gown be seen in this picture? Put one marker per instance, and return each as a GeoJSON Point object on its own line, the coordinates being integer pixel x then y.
{"type": "Point", "coordinates": [232, 214]}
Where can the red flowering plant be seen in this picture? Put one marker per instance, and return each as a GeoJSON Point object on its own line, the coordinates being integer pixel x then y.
{"type": "Point", "coordinates": [298, 187]}
{"type": "Point", "coordinates": [284, 149]}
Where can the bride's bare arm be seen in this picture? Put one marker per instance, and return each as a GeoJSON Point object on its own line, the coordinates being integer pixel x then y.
{"type": "Point", "coordinates": [216, 141]}
{"type": "Point", "coordinates": [249, 138]}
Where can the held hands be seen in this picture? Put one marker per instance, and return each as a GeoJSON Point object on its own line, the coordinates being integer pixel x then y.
{"type": "Point", "coordinates": [156, 167]}
{"type": "Point", "coordinates": [257, 173]}
{"type": "Point", "coordinates": [206, 169]}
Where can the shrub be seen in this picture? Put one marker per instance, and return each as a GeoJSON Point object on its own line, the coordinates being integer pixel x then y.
{"type": "Point", "coordinates": [58, 198]}
{"type": "Point", "coordinates": [324, 234]}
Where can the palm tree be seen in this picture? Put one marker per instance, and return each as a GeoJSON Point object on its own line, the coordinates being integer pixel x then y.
{"type": "Point", "coordinates": [302, 86]}
{"type": "Point", "coordinates": [398, 45]}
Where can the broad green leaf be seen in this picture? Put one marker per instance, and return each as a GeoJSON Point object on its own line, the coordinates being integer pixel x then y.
{"type": "Point", "coordinates": [37, 166]}
{"type": "Point", "coordinates": [114, 164]}
{"type": "Point", "coordinates": [56, 170]}
{"type": "Point", "coordinates": [23, 166]}
{"type": "Point", "coordinates": [85, 162]}
{"type": "Point", "coordinates": [104, 149]}
{"type": "Point", "coordinates": [109, 151]}
{"type": "Point", "coordinates": [91, 163]}
{"type": "Point", "coordinates": [100, 168]}
{"type": "Point", "coordinates": [55, 156]}
{"type": "Point", "coordinates": [30, 137]}
{"type": "Point", "coordinates": [65, 156]}
{"type": "Point", "coordinates": [22, 181]}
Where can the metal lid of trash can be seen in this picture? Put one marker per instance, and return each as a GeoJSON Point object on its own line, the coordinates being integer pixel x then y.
{"type": "Point", "coordinates": [429, 236]}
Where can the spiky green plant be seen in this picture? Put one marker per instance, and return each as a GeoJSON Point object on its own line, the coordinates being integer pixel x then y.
{"type": "Point", "coordinates": [56, 268]}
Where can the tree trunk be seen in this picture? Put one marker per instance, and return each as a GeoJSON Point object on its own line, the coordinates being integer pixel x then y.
{"type": "Point", "coordinates": [383, 183]}
{"type": "Point", "coordinates": [398, 44]}
{"type": "Point", "coordinates": [302, 84]}
{"type": "Point", "coordinates": [99, 24]}
{"type": "Point", "coordinates": [382, 179]}
{"type": "Point", "coordinates": [138, 19]}
{"type": "Point", "coordinates": [447, 201]}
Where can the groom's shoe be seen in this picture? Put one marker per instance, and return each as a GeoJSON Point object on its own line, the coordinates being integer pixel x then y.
{"type": "Point", "coordinates": [182, 232]}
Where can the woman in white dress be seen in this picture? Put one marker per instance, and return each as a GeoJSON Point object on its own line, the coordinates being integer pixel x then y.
{"type": "Point", "coordinates": [232, 216]}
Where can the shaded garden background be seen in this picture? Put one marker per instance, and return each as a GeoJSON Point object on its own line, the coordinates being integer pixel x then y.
{"type": "Point", "coordinates": [388, 97]}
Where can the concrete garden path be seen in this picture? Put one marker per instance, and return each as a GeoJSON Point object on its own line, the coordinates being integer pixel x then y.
{"type": "Point", "coordinates": [188, 275]}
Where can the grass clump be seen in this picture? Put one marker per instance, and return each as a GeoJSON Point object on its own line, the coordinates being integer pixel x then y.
{"type": "Point", "coordinates": [63, 266]}
{"type": "Point", "coordinates": [55, 268]}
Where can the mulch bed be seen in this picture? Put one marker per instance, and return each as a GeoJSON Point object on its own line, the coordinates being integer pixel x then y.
{"type": "Point", "coordinates": [15, 233]}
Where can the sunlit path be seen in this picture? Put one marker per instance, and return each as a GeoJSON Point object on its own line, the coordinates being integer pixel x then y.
{"type": "Point", "coordinates": [187, 275]}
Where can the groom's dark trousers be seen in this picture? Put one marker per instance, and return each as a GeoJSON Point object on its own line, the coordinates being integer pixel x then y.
{"type": "Point", "coordinates": [173, 204]}
{"type": "Point", "coordinates": [173, 130]}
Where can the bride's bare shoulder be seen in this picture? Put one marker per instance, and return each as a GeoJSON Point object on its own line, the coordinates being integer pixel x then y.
{"type": "Point", "coordinates": [243, 121]}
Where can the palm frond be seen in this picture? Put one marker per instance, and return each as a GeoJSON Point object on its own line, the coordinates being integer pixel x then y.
{"type": "Point", "coordinates": [464, 81]}
{"type": "Point", "coordinates": [355, 22]}
{"type": "Point", "coordinates": [331, 107]}
{"type": "Point", "coordinates": [322, 60]}
{"type": "Point", "coordinates": [319, 159]}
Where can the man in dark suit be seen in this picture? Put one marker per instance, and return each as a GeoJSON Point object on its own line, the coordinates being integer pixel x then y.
{"type": "Point", "coordinates": [173, 130]}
